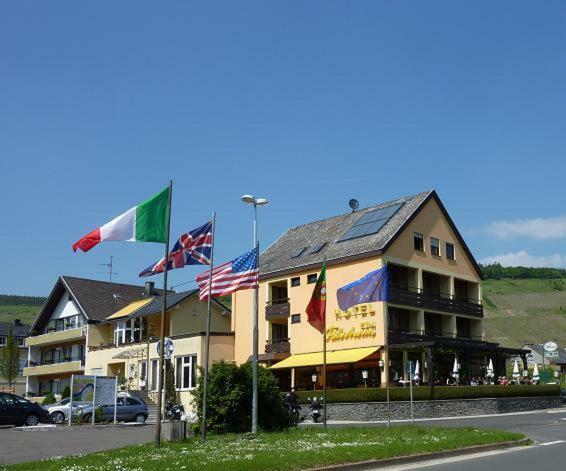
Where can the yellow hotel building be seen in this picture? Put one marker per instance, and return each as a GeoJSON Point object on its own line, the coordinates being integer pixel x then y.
{"type": "Point", "coordinates": [434, 305]}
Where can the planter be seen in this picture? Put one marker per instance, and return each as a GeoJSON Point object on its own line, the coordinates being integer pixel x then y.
{"type": "Point", "coordinates": [173, 431]}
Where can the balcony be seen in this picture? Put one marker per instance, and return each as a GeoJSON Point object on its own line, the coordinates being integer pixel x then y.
{"type": "Point", "coordinates": [277, 309]}
{"type": "Point", "coordinates": [278, 346]}
{"type": "Point", "coordinates": [55, 337]}
{"type": "Point", "coordinates": [414, 297]}
{"type": "Point", "coordinates": [67, 366]}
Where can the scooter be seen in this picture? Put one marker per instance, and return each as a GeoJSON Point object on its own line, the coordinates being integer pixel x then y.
{"type": "Point", "coordinates": [174, 412]}
{"type": "Point", "coordinates": [316, 407]}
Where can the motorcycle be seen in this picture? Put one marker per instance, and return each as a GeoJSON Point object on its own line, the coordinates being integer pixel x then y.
{"type": "Point", "coordinates": [294, 407]}
{"type": "Point", "coordinates": [174, 411]}
{"type": "Point", "coordinates": [316, 407]}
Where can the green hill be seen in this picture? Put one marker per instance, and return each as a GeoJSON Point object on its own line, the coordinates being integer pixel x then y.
{"type": "Point", "coordinates": [520, 311]}
{"type": "Point", "coordinates": [24, 308]}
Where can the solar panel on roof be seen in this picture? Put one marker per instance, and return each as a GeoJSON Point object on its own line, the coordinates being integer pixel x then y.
{"type": "Point", "coordinates": [371, 222]}
{"type": "Point", "coordinates": [298, 252]}
{"type": "Point", "coordinates": [318, 247]}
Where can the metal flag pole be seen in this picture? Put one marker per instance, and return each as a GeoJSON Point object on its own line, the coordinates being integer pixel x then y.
{"type": "Point", "coordinates": [386, 362]}
{"type": "Point", "coordinates": [324, 351]}
{"type": "Point", "coordinates": [162, 323]}
{"type": "Point", "coordinates": [207, 346]}
{"type": "Point", "coordinates": [255, 339]}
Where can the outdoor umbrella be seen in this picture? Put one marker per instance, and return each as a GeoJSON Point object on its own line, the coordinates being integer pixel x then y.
{"type": "Point", "coordinates": [417, 368]}
{"type": "Point", "coordinates": [490, 370]}
{"type": "Point", "coordinates": [516, 370]}
{"type": "Point", "coordinates": [536, 376]}
{"type": "Point", "coordinates": [455, 370]}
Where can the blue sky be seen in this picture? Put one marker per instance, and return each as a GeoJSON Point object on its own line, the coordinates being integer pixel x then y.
{"type": "Point", "coordinates": [306, 103]}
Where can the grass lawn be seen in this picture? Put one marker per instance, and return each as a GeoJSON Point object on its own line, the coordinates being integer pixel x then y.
{"type": "Point", "coordinates": [26, 313]}
{"type": "Point", "coordinates": [293, 450]}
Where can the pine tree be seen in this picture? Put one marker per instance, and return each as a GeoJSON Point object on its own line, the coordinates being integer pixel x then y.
{"type": "Point", "coordinates": [170, 393]}
{"type": "Point", "coordinates": [10, 359]}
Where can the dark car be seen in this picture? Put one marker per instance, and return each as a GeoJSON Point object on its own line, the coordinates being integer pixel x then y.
{"type": "Point", "coordinates": [128, 409]}
{"type": "Point", "coordinates": [15, 410]}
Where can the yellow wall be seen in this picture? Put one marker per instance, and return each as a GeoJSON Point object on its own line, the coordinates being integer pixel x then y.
{"type": "Point", "coordinates": [190, 316]}
{"type": "Point", "coordinates": [303, 337]}
{"type": "Point", "coordinates": [431, 223]}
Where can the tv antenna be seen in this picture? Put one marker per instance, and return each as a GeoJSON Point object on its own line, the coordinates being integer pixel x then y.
{"type": "Point", "coordinates": [110, 266]}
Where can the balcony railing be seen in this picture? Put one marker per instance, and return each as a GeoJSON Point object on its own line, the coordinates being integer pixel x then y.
{"type": "Point", "coordinates": [415, 297]}
{"type": "Point", "coordinates": [433, 334]}
{"type": "Point", "coordinates": [278, 346]}
{"type": "Point", "coordinates": [45, 362]}
{"type": "Point", "coordinates": [66, 323]}
{"type": "Point", "coordinates": [277, 309]}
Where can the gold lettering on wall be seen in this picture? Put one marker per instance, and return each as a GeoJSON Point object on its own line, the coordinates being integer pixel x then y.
{"type": "Point", "coordinates": [366, 329]}
{"type": "Point", "coordinates": [362, 310]}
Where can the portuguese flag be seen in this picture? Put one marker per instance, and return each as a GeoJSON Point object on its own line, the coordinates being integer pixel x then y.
{"type": "Point", "coordinates": [146, 222]}
{"type": "Point", "coordinates": [316, 310]}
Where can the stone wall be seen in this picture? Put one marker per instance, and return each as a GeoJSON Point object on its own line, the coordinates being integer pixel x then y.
{"type": "Point", "coordinates": [373, 411]}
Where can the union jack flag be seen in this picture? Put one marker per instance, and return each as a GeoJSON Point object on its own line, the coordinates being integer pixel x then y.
{"type": "Point", "coordinates": [237, 274]}
{"type": "Point", "coordinates": [192, 248]}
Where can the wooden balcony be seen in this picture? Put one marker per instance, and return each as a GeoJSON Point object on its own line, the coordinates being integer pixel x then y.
{"type": "Point", "coordinates": [277, 309]}
{"type": "Point", "coordinates": [444, 303]}
{"type": "Point", "coordinates": [278, 346]}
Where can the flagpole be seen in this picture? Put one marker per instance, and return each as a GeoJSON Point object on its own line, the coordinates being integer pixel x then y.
{"type": "Point", "coordinates": [386, 363]}
{"type": "Point", "coordinates": [324, 354]}
{"type": "Point", "coordinates": [207, 347]}
{"type": "Point", "coordinates": [162, 334]}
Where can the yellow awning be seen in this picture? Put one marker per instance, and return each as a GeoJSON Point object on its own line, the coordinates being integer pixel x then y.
{"type": "Point", "coordinates": [130, 308]}
{"type": "Point", "coordinates": [335, 357]}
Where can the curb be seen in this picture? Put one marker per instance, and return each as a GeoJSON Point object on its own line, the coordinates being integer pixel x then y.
{"type": "Point", "coordinates": [382, 463]}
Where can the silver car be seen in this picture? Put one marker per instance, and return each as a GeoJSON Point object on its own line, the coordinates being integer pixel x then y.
{"type": "Point", "coordinates": [59, 412]}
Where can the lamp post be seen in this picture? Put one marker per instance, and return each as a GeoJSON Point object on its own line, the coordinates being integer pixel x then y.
{"type": "Point", "coordinates": [313, 378]}
{"type": "Point", "coordinates": [249, 199]}
{"type": "Point", "coordinates": [365, 377]}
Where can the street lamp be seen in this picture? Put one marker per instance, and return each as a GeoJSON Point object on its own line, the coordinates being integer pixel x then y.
{"type": "Point", "coordinates": [365, 377]}
{"type": "Point", "coordinates": [313, 378]}
{"type": "Point", "coordinates": [250, 199]}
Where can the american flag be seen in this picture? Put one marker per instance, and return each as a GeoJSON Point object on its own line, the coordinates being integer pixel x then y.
{"type": "Point", "coordinates": [240, 273]}
{"type": "Point", "coordinates": [192, 248]}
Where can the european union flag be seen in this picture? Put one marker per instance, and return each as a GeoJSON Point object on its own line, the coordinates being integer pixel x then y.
{"type": "Point", "coordinates": [372, 287]}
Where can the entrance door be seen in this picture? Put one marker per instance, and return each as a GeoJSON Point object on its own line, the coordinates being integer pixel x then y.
{"type": "Point", "coordinates": [142, 367]}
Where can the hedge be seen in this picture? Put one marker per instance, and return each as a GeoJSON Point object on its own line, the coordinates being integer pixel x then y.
{"type": "Point", "coordinates": [423, 393]}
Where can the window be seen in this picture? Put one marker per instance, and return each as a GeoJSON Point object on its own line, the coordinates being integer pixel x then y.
{"type": "Point", "coordinates": [131, 330]}
{"type": "Point", "coordinates": [143, 371]}
{"type": "Point", "coordinates": [296, 281]}
{"type": "Point", "coordinates": [450, 251]}
{"type": "Point", "coordinates": [3, 340]}
{"type": "Point", "coordinates": [21, 341]}
{"type": "Point", "coordinates": [298, 252]}
{"type": "Point", "coordinates": [418, 242]}
{"type": "Point", "coordinates": [185, 377]}
{"type": "Point", "coordinates": [132, 402]}
{"type": "Point", "coordinates": [295, 319]}
{"type": "Point", "coordinates": [154, 374]}
{"type": "Point", "coordinates": [318, 247]}
{"type": "Point", "coordinates": [312, 278]}
{"type": "Point", "coordinates": [371, 222]}
{"type": "Point", "coordinates": [435, 246]}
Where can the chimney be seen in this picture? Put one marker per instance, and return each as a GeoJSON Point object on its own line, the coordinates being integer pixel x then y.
{"type": "Point", "coordinates": [149, 288]}
{"type": "Point", "coordinates": [17, 323]}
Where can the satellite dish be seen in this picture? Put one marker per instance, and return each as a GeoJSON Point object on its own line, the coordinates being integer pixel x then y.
{"type": "Point", "coordinates": [354, 204]}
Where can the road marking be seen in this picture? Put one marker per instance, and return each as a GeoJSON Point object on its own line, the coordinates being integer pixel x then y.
{"type": "Point", "coordinates": [556, 411]}
{"type": "Point", "coordinates": [454, 459]}
{"type": "Point", "coordinates": [551, 443]}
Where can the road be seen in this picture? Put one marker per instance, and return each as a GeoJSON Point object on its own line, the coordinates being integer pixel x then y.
{"type": "Point", "coordinates": [546, 428]}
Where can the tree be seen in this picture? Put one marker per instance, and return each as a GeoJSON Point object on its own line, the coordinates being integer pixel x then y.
{"type": "Point", "coordinates": [66, 392]}
{"type": "Point", "coordinates": [229, 400]}
{"type": "Point", "coordinates": [170, 393]}
{"type": "Point", "coordinates": [10, 359]}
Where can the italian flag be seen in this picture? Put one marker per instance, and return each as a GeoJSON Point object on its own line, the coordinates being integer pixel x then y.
{"type": "Point", "coordinates": [316, 310]}
{"type": "Point", "coordinates": [146, 222]}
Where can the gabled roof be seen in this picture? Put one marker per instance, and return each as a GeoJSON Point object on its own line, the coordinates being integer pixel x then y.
{"type": "Point", "coordinates": [19, 330]}
{"type": "Point", "coordinates": [276, 260]}
{"type": "Point", "coordinates": [94, 298]}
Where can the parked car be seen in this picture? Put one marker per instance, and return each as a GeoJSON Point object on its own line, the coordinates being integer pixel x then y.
{"type": "Point", "coordinates": [128, 409]}
{"type": "Point", "coordinates": [59, 412]}
{"type": "Point", "coordinates": [15, 410]}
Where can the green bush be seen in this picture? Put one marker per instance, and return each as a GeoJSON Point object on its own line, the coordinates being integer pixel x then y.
{"type": "Point", "coordinates": [423, 393]}
{"type": "Point", "coordinates": [170, 391]}
{"type": "Point", "coordinates": [49, 399]}
{"type": "Point", "coordinates": [229, 400]}
{"type": "Point", "coordinates": [66, 392]}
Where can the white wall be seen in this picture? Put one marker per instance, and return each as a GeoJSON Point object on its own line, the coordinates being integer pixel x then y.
{"type": "Point", "coordinates": [65, 308]}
